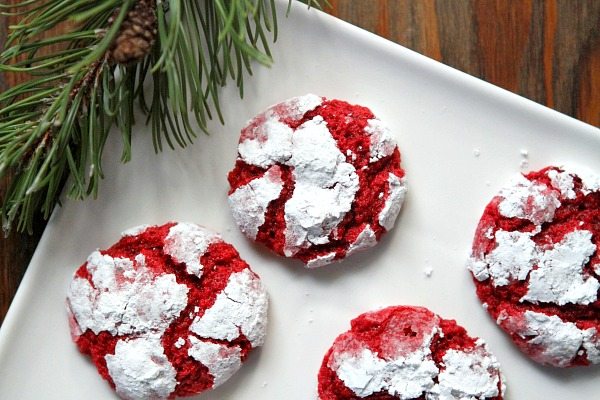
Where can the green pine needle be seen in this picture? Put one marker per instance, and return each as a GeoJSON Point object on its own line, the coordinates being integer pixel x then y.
{"type": "Point", "coordinates": [55, 125]}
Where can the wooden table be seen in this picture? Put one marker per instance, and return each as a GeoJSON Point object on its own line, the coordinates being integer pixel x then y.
{"type": "Point", "coordinates": [548, 51]}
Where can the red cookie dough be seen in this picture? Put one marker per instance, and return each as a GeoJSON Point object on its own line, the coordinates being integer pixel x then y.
{"type": "Point", "coordinates": [536, 268]}
{"type": "Point", "coordinates": [407, 352]}
{"type": "Point", "coordinates": [316, 179]}
{"type": "Point", "coordinates": [167, 311]}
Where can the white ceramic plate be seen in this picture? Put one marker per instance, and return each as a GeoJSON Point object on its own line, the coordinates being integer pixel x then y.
{"type": "Point", "coordinates": [439, 116]}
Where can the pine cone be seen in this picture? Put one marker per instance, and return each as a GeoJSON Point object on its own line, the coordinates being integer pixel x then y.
{"type": "Point", "coordinates": [137, 34]}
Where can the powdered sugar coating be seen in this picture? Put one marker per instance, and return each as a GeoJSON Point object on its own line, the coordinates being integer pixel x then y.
{"type": "Point", "coordinates": [382, 142]}
{"type": "Point", "coordinates": [590, 181]}
{"type": "Point", "coordinates": [403, 377]}
{"type": "Point", "coordinates": [559, 278]}
{"type": "Point", "coordinates": [125, 299]}
{"type": "Point", "coordinates": [514, 256]}
{"type": "Point", "coordinates": [324, 191]}
{"type": "Point", "coordinates": [471, 374]}
{"type": "Point", "coordinates": [134, 231]}
{"type": "Point", "coordinates": [394, 201]}
{"type": "Point", "coordinates": [129, 306]}
{"type": "Point", "coordinates": [240, 308]}
{"type": "Point", "coordinates": [389, 352]}
{"type": "Point", "coordinates": [365, 239]}
{"type": "Point", "coordinates": [249, 202]}
{"type": "Point", "coordinates": [321, 261]}
{"type": "Point", "coordinates": [140, 370]}
{"type": "Point", "coordinates": [222, 361]}
{"type": "Point", "coordinates": [328, 152]}
{"type": "Point", "coordinates": [407, 375]}
{"type": "Point", "coordinates": [556, 341]}
{"type": "Point", "coordinates": [562, 181]}
{"type": "Point", "coordinates": [272, 146]}
{"type": "Point", "coordinates": [528, 200]}
{"type": "Point", "coordinates": [266, 140]}
{"type": "Point", "coordinates": [535, 265]}
{"type": "Point", "coordinates": [186, 243]}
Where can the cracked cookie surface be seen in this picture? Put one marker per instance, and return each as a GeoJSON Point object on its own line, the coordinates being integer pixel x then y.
{"type": "Point", "coordinates": [167, 311]}
{"type": "Point", "coordinates": [405, 352]}
{"type": "Point", "coordinates": [536, 266]}
{"type": "Point", "coordinates": [316, 179]}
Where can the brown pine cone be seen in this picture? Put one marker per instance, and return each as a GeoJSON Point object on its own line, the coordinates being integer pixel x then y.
{"type": "Point", "coordinates": [137, 34]}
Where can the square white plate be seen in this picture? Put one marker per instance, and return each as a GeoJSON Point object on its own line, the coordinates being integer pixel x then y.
{"type": "Point", "coordinates": [439, 116]}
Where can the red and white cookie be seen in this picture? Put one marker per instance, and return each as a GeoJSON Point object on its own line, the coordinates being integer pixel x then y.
{"type": "Point", "coordinates": [316, 179]}
{"type": "Point", "coordinates": [407, 352]}
{"type": "Point", "coordinates": [536, 266]}
{"type": "Point", "coordinates": [167, 311]}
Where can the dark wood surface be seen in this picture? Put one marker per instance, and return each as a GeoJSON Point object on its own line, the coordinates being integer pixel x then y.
{"type": "Point", "coordinates": [545, 50]}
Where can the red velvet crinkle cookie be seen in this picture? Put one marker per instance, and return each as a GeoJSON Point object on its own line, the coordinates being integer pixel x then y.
{"type": "Point", "coordinates": [407, 352]}
{"type": "Point", "coordinates": [167, 311]}
{"type": "Point", "coordinates": [316, 179]}
{"type": "Point", "coordinates": [536, 267]}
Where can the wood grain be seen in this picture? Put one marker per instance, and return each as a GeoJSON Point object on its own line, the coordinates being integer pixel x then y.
{"type": "Point", "coordinates": [546, 50]}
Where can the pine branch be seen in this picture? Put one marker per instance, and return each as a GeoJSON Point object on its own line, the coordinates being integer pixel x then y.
{"type": "Point", "coordinates": [56, 124]}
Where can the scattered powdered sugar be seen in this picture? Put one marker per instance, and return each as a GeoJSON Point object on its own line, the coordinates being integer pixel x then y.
{"type": "Point", "coordinates": [140, 369]}
{"type": "Point", "coordinates": [136, 230]}
{"type": "Point", "coordinates": [562, 181]}
{"type": "Point", "coordinates": [559, 341]}
{"type": "Point", "coordinates": [513, 257]}
{"type": "Point", "coordinates": [382, 143]}
{"type": "Point", "coordinates": [468, 374]}
{"type": "Point", "coordinates": [364, 240]}
{"type": "Point", "coordinates": [222, 361]}
{"type": "Point", "coordinates": [321, 261]}
{"type": "Point", "coordinates": [559, 277]}
{"type": "Point", "coordinates": [249, 202]}
{"type": "Point", "coordinates": [187, 242]}
{"type": "Point", "coordinates": [124, 298]}
{"type": "Point", "coordinates": [528, 200]}
{"type": "Point", "coordinates": [393, 203]}
{"type": "Point", "coordinates": [240, 307]}
{"type": "Point", "coordinates": [325, 187]}
{"type": "Point", "coordinates": [524, 159]}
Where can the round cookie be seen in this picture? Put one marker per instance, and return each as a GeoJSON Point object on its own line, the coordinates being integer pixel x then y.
{"type": "Point", "coordinates": [167, 311]}
{"type": "Point", "coordinates": [316, 179]}
{"type": "Point", "coordinates": [536, 267]}
{"type": "Point", "coordinates": [407, 352]}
